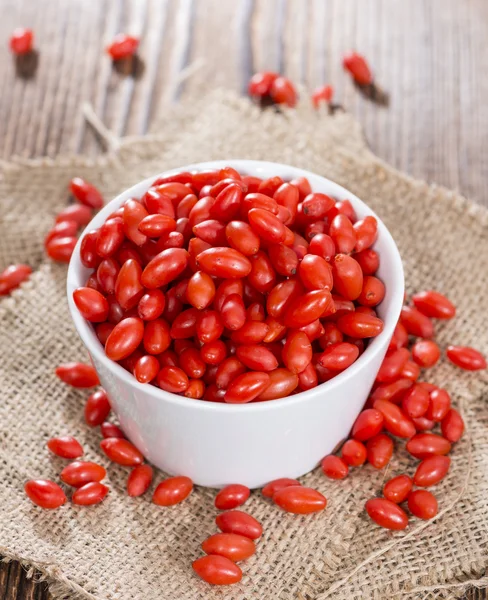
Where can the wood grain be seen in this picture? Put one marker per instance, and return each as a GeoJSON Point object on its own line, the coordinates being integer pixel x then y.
{"type": "Point", "coordinates": [431, 57]}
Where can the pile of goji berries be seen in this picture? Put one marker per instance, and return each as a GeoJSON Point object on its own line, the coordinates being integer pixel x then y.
{"type": "Point", "coordinates": [229, 288]}
{"type": "Point", "coordinates": [401, 407]}
{"type": "Point", "coordinates": [239, 530]}
{"type": "Point", "coordinates": [270, 289]}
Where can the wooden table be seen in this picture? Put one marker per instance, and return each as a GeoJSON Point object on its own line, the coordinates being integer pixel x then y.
{"type": "Point", "coordinates": [430, 55]}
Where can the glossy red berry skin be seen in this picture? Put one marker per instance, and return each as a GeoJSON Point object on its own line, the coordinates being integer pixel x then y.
{"type": "Point", "coordinates": [224, 287]}
{"type": "Point", "coordinates": [397, 489]}
{"type": "Point", "coordinates": [86, 193]}
{"type": "Point", "coordinates": [300, 500]}
{"type": "Point", "coordinates": [123, 46]}
{"type": "Point", "coordinates": [236, 521]}
{"type": "Point", "coordinates": [282, 91]}
{"type": "Point", "coordinates": [422, 504]}
{"type": "Point", "coordinates": [322, 95]}
{"type": "Point", "coordinates": [89, 494]}
{"type": "Point", "coordinates": [65, 447]}
{"type": "Point", "coordinates": [387, 514]}
{"type": "Point", "coordinates": [260, 83]}
{"type": "Point", "coordinates": [358, 68]}
{"type": "Point", "coordinates": [45, 493]}
{"type": "Point", "coordinates": [466, 358]}
{"type": "Point", "coordinates": [232, 496]}
{"type": "Point", "coordinates": [172, 491]}
{"type": "Point", "coordinates": [217, 570]}
{"type": "Point", "coordinates": [21, 41]}
{"type": "Point", "coordinates": [12, 277]}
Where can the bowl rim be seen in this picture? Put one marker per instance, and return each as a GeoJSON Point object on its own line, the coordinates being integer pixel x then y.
{"type": "Point", "coordinates": [376, 346]}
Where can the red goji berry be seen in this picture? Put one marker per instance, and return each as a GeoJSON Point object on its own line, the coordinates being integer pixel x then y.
{"type": "Point", "coordinates": [172, 491]}
{"type": "Point", "coordinates": [65, 447]}
{"type": "Point", "coordinates": [12, 277]}
{"type": "Point", "coordinates": [86, 193]}
{"type": "Point", "coordinates": [21, 41]}
{"type": "Point", "coordinates": [397, 489]}
{"type": "Point", "coordinates": [358, 68]}
{"type": "Point", "coordinates": [466, 358]}
{"type": "Point", "coordinates": [236, 521]}
{"type": "Point", "coordinates": [386, 514]}
{"type": "Point", "coordinates": [322, 94]}
{"type": "Point", "coordinates": [217, 570]}
{"type": "Point", "coordinates": [45, 493]}
{"type": "Point", "coordinates": [123, 46]}
{"type": "Point", "coordinates": [299, 500]}
{"type": "Point", "coordinates": [89, 494]}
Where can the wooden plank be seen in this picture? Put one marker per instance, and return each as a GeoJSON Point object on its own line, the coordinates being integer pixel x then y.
{"type": "Point", "coordinates": [183, 28]}
{"type": "Point", "coordinates": [139, 117]}
{"type": "Point", "coordinates": [427, 54]}
{"type": "Point", "coordinates": [121, 95]}
{"type": "Point", "coordinates": [294, 16]}
{"type": "Point", "coordinates": [245, 58]}
{"type": "Point", "coordinates": [317, 58]}
{"type": "Point", "coordinates": [4, 570]}
{"type": "Point", "coordinates": [104, 77]}
{"type": "Point", "coordinates": [20, 95]}
{"type": "Point", "coordinates": [14, 584]}
{"type": "Point", "coordinates": [216, 64]}
{"type": "Point", "coordinates": [27, 588]}
{"type": "Point", "coordinates": [267, 38]}
{"type": "Point", "coordinates": [473, 126]}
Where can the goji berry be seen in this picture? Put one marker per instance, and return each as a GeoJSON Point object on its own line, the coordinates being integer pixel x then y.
{"type": "Point", "coordinates": [123, 46]}
{"type": "Point", "coordinates": [358, 68]}
{"type": "Point", "coordinates": [45, 493]}
{"type": "Point", "coordinates": [386, 514]}
{"type": "Point", "coordinates": [89, 494]}
{"type": "Point", "coordinates": [422, 504]}
{"type": "Point", "coordinates": [77, 374]}
{"type": "Point", "coordinates": [236, 521]}
{"type": "Point", "coordinates": [86, 193]}
{"type": "Point", "coordinates": [397, 489]}
{"type": "Point", "coordinates": [334, 467]}
{"type": "Point", "coordinates": [65, 447]}
{"type": "Point", "coordinates": [172, 491]}
{"type": "Point", "coordinates": [322, 94]}
{"type": "Point", "coordinates": [299, 500]}
{"type": "Point", "coordinates": [466, 358]}
{"type": "Point", "coordinates": [217, 570]}
{"type": "Point", "coordinates": [21, 41]}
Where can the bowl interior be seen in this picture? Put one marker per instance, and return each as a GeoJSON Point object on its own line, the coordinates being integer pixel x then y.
{"type": "Point", "coordinates": [390, 271]}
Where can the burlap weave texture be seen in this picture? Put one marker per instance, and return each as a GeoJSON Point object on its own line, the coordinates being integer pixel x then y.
{"type": "Point", "coordinates": [131, 549]}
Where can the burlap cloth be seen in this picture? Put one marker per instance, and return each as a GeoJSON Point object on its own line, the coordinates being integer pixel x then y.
{"type": "Point", "coordinates": [131, 549]}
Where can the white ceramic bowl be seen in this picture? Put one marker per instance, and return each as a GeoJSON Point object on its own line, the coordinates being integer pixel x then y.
{"type": "Point", "coordinates": [216, 444]}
